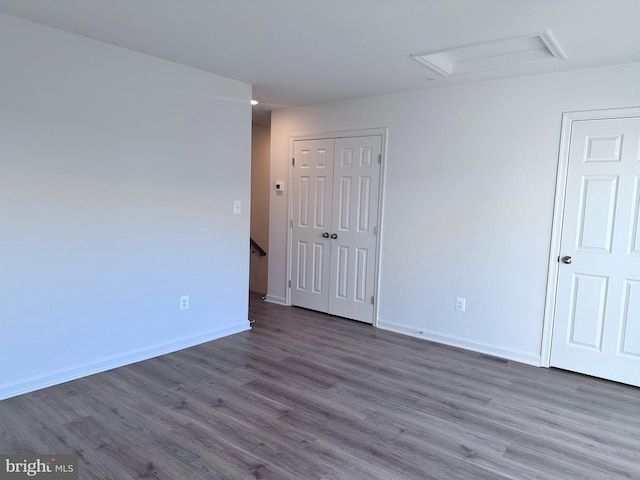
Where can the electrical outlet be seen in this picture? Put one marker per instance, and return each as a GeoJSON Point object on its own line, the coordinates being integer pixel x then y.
{"type": "Point", "coordinates": [461, 304]}
{"type": "Point", "coordinates": [184, 302]}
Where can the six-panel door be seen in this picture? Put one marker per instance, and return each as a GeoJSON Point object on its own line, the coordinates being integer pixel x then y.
{"type": "Point", "coordinates": [312, 201]}
{"type": "Point", "coordinates": [597, 318]}
{"type": "Point", "coordinates": [354, 219]}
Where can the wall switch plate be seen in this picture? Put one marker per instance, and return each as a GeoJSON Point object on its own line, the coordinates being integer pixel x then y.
{"type": "Point", "coordinates": [184, 302]}
{"type": "Point", "coordinates": [461, 304]}
{"type": "Point", "coordinates": [237, 206]}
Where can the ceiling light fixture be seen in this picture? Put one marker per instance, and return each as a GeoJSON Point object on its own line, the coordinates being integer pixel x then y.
{"type": "Point", "coordinates": [254, 102]}
{"type": "Point", "coordinates": [508, 52]}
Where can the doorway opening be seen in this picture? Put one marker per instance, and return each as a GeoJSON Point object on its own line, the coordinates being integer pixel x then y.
{"type": "Point", "coordinates": [260, 186]}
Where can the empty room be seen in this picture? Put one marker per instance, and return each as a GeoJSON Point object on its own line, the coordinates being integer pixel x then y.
{"type": "Point", "coordinates": [291, 240]}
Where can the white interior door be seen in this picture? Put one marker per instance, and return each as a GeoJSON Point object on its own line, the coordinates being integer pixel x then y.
{"type": "Point", "coordinates": [311, 224]}
{"type": "Point", "coordinates": [356, 183]}
{"type": "Point", "coordinates": [597, 319]}
{"type": "Point", "coordinates": [334, 226]}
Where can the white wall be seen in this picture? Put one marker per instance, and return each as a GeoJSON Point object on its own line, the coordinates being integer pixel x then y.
{"type": "Point", "coordinates": [260, 168]}
{"type": "Point", "coordinates": [118, 173]}
{"type": "Point", "coordinates": [468, 201]}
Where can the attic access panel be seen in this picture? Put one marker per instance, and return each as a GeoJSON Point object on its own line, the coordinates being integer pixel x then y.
{"type": "Point", "coordinates": [493, 54]}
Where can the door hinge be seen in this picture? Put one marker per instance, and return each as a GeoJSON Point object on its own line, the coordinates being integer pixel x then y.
{"type": "Point", "coordinates": [371, 300]}
{"type": "Point", "coordinates": [290, 223]}
{"type": "Point", "coordinates": [289, 283]}
{"type": "Point", "coordinates": [293, 162]}
{"type": "Point", "coordinates": [375, 231]}
{"type": "Point", "coordinates": [379, 158]}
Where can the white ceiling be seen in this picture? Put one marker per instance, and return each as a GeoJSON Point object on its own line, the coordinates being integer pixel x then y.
{"type": "Point", "coordinates": [298, 52]}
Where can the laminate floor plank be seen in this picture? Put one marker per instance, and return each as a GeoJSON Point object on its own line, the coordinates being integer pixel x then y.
{"type": "Point", "coordinates": [306, 396]}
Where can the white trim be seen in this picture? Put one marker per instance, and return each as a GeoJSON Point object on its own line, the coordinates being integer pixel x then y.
{"type": "Point", "coordinates": [558, 215]}
{"type": "Point", "coordinates": [56, 377]}
{"type": "Point", "coordinates": [509, 354]}
{"type": "Point", "coordinates": [381, 203]}
{"type": "Point", "coordinates": [275, 299]}
{"type": "Point", "coordinates": [552, 44]}
{"type": "Point", "coordinates": [368, 132]}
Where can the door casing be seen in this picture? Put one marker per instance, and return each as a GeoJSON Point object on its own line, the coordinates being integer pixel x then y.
{"type": "Point", "coordinates": [382, 132]}
{"type": "Point", "coordinates": [558, 215]}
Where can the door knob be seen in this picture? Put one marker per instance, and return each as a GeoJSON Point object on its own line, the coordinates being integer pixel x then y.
{"type": "Point", "coordinates": [567, 260]}
{"type": "Point", "coordinates": [325, 235]}
{"type": "Point", "coordinates": [334, 235]}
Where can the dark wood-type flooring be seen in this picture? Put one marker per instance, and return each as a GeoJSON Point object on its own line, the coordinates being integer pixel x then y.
{"type": "Point", "coordinates": [307, 396]}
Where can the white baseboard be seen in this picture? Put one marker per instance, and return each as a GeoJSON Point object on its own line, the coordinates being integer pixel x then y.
{"type": "Point", "coordinates": [452, 341]}
{"type": "Point", "coordinates": [274, 299]}
{"type": "Point", "coordinates": [82, 370]}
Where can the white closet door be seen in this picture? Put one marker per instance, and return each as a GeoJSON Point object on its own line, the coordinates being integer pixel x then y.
{"type": "Point", "coordinates": [356, 180]}
{"type": "Point", "coordinates": [334, 228]}
{"type": "Point", "coordinates": [312, 192]}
